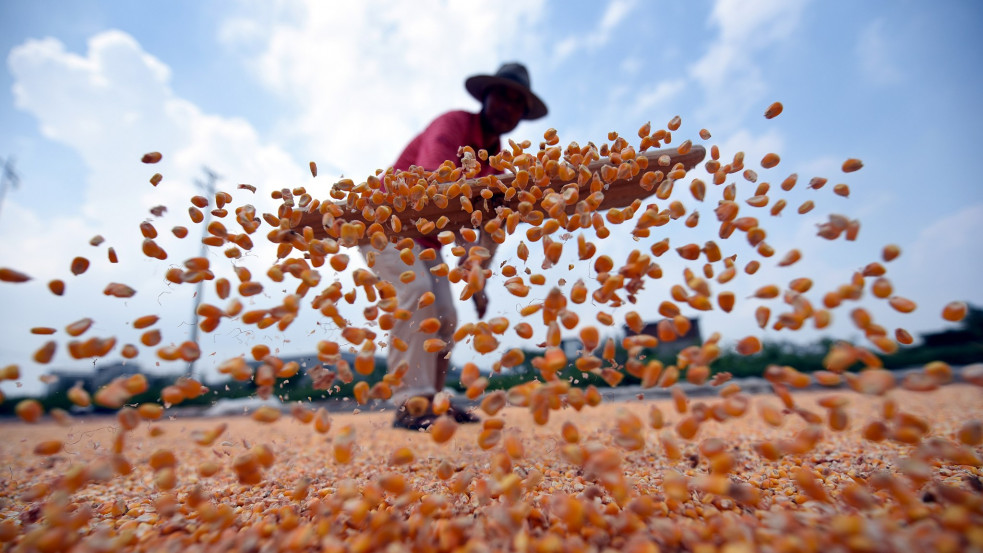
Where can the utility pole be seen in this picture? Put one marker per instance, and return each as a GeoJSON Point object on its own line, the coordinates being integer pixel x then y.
{"type": "Point", "coordinates": [209, 189]}
{"type": "Point", "coordinates": [8, 177]}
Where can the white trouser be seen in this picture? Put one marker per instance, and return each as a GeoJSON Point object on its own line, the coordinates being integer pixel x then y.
{"type": "Point", "coordinates": [421, 378]}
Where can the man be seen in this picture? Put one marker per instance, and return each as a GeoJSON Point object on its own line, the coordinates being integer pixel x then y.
{"type": "Point", "coordinates": [506, 98]}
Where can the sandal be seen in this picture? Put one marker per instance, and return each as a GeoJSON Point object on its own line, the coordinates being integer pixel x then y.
{"type": "Point", "coordinates": [407, 421]}
{"type": "Point", "coordinates": [462, 416]}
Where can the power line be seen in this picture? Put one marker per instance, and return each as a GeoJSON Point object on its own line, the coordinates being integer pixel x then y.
{"type": "Point", "coordinates": [8, 177]}
{"type": "Point", "coordinates": [209, 188]}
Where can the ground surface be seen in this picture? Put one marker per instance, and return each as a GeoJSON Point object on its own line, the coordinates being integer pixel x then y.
{"type": "Point", "coordinates": [829, 490]}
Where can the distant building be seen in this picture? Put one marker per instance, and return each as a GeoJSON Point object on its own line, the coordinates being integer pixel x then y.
{"type": "Point", "coordinates": [102, 375]}
{"type": "Point", "coordinates": [308, 362]}
{"type": "Point", "coordinates": [572, 346]}
{"type": "Point", "coordinates": [92, 380]}
{"type": "Point", "coordinates": [691, 338]}
{"type": "Point", "coordinates": [970, 330]}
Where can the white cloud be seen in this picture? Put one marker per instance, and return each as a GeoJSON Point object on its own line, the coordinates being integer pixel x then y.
{"type": "Point", "coordinates": [361, 79]}
{"type": "Point", "coordinates": [825, 165]}
{"type": "Point", "coordinates": [657, 100]}
{"type": "Point", "coordinates": [241, 32]}
{"type": "Point", "coordinates": [727, 73]}
{"type": "Point", "coordinates": [565, 48]}
{"type": "Point", "coordinates": [112, 59]}
{"type": "Point", "coordinates": [756, 23]}
{"type": "Point", "coordinates": [950, 247]}
{"type": "Point", "coordinates": [614, 15]}
{"type": "Point", "coordinates": [730, 78]}
{"type": "Point", "coordinates": [631, 65]}
{"type": "Point", "coordinates": [754, 148]}
{"type": "Point", "coordinates": [112, 105]}
{"type": "Point", "coordinates": [874, 55]}
{"type": "Point", "coordinates": [617, 11]}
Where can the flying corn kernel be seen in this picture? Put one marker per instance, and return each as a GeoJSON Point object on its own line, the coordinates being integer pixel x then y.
{"type": "Point", "coordinates": [152, 157]}
{"type": "Point", "coordinates": [774, 110]}
{"type": "Point", "coordinates": [852, 165]}
{"type": "Point", "coordinates": [79, 265]}
{"type": "Point", "coordinates": [955, 311]}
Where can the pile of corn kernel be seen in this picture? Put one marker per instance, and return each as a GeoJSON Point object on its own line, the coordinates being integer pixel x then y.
{"type": "Point", "coordinates": [872, 464]}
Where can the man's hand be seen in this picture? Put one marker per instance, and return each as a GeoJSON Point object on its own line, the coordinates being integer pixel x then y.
{"type": "Point", "coordinates": [480, 303]}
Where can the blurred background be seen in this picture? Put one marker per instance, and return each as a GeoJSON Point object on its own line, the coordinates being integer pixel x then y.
{"type": "Point", "coordinates": [250, 92]}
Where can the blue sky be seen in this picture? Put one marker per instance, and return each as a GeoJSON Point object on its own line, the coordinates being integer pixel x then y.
{"type": "Point", "coordinates": [255, 90]}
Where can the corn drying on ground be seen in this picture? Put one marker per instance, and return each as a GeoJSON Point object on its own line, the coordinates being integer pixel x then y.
{"type": "Point", "coordinates": [569, 485]}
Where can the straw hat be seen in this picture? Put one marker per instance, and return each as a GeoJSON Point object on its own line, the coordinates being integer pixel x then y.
{"type": "Point", "coordinates": [514, 76]}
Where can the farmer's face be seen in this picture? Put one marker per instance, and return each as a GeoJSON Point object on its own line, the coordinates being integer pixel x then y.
{"type": "Point", "coordinates": [503, 108]}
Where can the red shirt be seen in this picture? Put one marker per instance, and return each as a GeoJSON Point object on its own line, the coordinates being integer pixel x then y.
{"type": "Point", "coordinates": [440, 142]}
